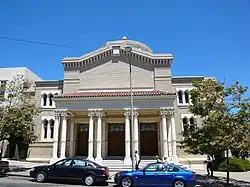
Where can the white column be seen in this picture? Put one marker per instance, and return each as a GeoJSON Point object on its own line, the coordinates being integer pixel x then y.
{"type": "Point", "coordinates": [169, 139]}
{"type": "Point", "coordinates": [72, 132]}
{"type": "Point", "coordinates": [127, 159]}
{"type": "Point", "coordinates": [98, 158]}
{"type": "Point", "coordinates": [173, 138]}
{"type": "Point", "coordinates": [164, 134]}
{"type": "Point", "coordinates": [63, 135]}
{"type": "Point", "coordinates": [136, 131]}
{"type": "Point", "coordinates": [91, 136]}
{"type": "Point", "coordinates": [55, 139]}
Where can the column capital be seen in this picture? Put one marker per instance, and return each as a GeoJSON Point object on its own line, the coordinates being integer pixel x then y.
{"type": "Point", "coordinates": [91, 114]}
{"type": "Point", "coordinates": [167, 111]}
{"type": "Point", "coordinates": [65, 115]}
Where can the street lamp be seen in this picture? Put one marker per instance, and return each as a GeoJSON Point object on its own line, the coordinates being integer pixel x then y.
{"type": "Point", "coordinates": [129, 49]}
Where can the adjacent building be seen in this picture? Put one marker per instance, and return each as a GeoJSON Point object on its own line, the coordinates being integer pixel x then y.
{"type": "Point", "coordinates": [88, 112]}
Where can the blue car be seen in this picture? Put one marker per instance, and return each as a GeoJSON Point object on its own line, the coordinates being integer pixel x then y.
{"type": "Point", "coordinates": [157, 174]}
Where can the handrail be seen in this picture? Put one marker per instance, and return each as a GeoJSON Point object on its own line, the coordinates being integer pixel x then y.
{"type": "Point", "coordinates": [189, 162]}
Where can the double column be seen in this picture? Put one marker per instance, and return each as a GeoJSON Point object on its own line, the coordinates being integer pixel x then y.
{"type": "Point", "coordinates": [168, 133]}
{"type": "Point", "coordinates": [60, 117]}
{"type": "Point", "coordinates": [99, 114]}
{"type": "Point", "coordinates": [128, 126]}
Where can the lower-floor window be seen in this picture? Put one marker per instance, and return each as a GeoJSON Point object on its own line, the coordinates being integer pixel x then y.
{"type": "Point", "coordinates": [48, 129]}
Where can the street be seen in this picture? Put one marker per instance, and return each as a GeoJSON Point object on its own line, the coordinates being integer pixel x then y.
{"type": "Point", "coordinates": [28, 182]}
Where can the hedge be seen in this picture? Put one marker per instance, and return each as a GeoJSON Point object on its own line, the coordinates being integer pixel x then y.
{"type": "Point", "coordinates": [235, 165]}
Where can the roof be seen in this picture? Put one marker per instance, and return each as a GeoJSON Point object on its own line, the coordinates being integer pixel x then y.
{"type": "Point", "coordinates": [115, 94]}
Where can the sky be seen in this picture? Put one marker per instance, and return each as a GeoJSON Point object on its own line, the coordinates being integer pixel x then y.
{"type": "Point", "coordinates": [207, 38]}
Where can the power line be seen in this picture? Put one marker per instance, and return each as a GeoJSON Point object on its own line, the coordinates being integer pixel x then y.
{"type": "Point", "coordinates": [36, 42]}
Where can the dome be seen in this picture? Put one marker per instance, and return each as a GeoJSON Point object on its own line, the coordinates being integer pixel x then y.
{"type": "Point", "coordinates": [137, 46]}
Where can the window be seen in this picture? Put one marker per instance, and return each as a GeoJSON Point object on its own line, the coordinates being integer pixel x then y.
{"type": "Point", "coordinates": [79, 163]}
{"type": "Point", "coordinates": [63, 163]}
{"type": "Point", "coordinates": [2, 89]}
{"type": "Point", "coordinates": [186, 96]}
{"type": "Point", "coordinates": [154, 167]}
{"type": "Point", "coordinates": [180, 96]}
{"type": "Point", "coordinates": [171, 168]}
{"type": "Point", "coordinates": [50, 99]}
{"type": "Point", "coordinates": [44, 99]}
{"type": "Point", "coordinates": [185, 123]}
{"type": "Point", "coordinates": [51, 122]}
{"type": "Point", "coordinates": [191, 120]}
{"type": "Point", "coordinates": [45, 128]}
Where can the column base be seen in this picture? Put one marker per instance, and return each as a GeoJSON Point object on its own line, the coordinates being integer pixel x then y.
{"type": "Point", "coordinates": [98, 160]}
{"type": "Point", "coordinates": [127, 161]}
{"type": "Point", "coordinates": [91, 158]}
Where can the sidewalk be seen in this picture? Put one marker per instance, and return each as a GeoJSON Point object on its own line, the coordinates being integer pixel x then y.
{"type": "Point", "coordinates": [241, 176]}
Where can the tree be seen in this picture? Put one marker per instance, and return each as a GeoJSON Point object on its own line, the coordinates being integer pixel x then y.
{"type": "Point", "coordinates": [225, 114]}
{"type": "Point", "coordinates": [18, 112]}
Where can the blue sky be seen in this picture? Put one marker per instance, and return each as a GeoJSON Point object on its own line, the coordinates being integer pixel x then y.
{"type": "Point", "coordinates": [208, 37]}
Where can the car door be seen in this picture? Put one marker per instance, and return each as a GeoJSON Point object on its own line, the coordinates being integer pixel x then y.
{"type": "Point", "coordinates": [60, 170]}
{"type": "Point", "coordinates": [151, 175]}
{"type": "Point", "coordinates": [166, 177]}
{"type": "Point", "coordinates": [77, 169]}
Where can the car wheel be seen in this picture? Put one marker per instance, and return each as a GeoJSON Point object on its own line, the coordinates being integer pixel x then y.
{"type": "Point", "coordinates": [40, 176]}
{"type": "Point", "coordinates": [126, 182]}
{"type": "Point", "coordinates": [179, 183]}
{"type": "Point", "coordinates": [89, 180]}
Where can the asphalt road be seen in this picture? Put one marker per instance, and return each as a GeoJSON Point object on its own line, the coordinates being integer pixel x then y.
{"type": "Point", "coordinates": [27, 182]}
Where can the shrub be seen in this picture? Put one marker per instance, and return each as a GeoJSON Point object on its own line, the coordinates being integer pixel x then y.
{"type": "Point", "coordinates": [235, 164]}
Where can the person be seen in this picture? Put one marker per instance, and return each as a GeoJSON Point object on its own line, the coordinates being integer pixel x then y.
{"type": "Point", "coordinates": [158, 160]}
{"type": "Point", "coordinates": [165, 159]}
{"type": "Point", "coordinates": [209, 163]}
{"type": "Point", "coordinates": [137, 160]}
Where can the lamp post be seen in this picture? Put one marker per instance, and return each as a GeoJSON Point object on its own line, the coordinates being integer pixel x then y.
{"type": "Point", "coordinates": [129, 49]}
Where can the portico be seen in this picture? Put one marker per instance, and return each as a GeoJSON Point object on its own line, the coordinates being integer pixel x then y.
{"type": "Point", "coordinates": [105, 133]}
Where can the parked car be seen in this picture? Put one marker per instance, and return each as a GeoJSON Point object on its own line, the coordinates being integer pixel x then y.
{"type": "Point", "coordinates": [157, 174]}
{"type": "Point", "coordinates": [4, 167]}
{"type": "Point", "coordinates": [80, 169]}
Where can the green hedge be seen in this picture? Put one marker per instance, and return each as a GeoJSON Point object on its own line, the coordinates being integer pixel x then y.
{"type": "Point", "coordinates": [235, 164]}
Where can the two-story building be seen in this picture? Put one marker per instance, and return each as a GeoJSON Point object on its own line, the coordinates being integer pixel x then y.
{"type": "Point", "coordinates": [88, 112]}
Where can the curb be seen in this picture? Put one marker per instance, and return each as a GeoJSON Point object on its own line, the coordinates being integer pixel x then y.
{"type": "Point", "coordinates": [17, 175]}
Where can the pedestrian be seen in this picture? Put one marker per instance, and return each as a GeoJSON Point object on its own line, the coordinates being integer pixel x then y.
{"type": "Point", "coordinates": [165, 159]}
{"type": "Point", "coordinates": [137, 160]}
{"type": "Point", "coordinates": [209, 163]}
{"type": "Point", "coordinates": [158, 160]}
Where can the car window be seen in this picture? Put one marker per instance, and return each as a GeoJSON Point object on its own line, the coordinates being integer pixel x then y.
{"type": "Point", "coordinates": [171, 168]}
{"type": "Point", "coordinates": [63, 163]}
{"type": "Point", "coordinates": [90, 164]}
{"type": "Point", "coordinates": [78, 163]}
{"type": "Point", "coordinates": [154, 167]}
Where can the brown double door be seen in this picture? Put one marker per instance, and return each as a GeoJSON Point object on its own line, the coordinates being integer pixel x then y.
{"type": "Point", "coordinates": [116, 139]}
{"type": "Point", "coordinates": [148, 139]}
{"type": "Point", "coordinates": [82, 140]}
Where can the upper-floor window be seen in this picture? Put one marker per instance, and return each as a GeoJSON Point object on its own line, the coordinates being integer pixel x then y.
{"type": "Point", "coordinates": [183, 96]}
{"type": "Point", "coordinates": [186, 96]}
{"type": "Point", "coordinates": [45, 99]}
{"type": "Point", "coordinates": [51, 99]}
{"type": "Point", "coordinates": [180, 98]}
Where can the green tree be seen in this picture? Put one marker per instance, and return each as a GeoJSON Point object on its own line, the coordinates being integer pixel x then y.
{"type": "Point", "coordinates": [17, 114]}
{"type": "Point", "coordinates": [225, 114]}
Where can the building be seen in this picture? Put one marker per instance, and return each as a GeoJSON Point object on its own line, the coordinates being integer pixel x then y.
{"type": "Point", "coordinates": [88, 112]}
{"type": "Point", "coordinates": [6, 75]}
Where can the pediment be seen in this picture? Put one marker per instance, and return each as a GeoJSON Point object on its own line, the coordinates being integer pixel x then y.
{"type": "Point", "coordinates": [117, 48]}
